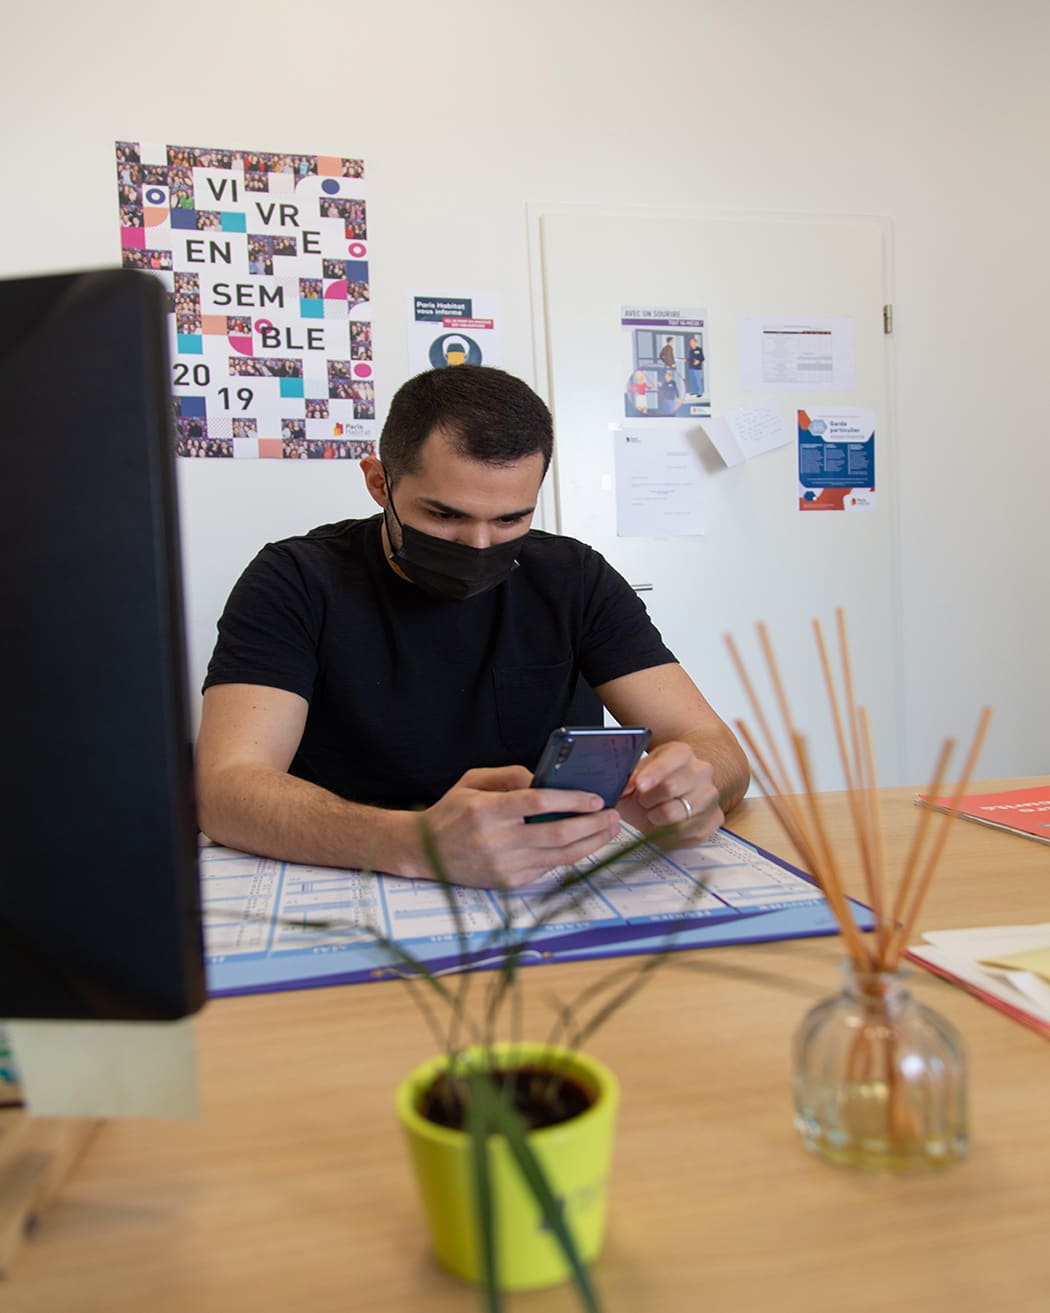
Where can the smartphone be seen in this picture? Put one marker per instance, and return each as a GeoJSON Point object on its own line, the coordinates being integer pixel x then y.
{"type": "Point", "coordinates": [594, 760]}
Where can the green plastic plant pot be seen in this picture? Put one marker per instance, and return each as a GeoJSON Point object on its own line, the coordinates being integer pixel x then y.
{"type": "Point", "coordinates": [576, 1156]}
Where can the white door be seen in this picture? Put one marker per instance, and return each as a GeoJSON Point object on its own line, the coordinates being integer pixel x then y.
{"type": "Point", "coordinates": [760, 557]}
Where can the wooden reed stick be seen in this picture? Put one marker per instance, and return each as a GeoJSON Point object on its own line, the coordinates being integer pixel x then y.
{"type": "Point", "coordinates": [911, 861]}
{"type": "Point", "coordinates": [778, 690]}
{"type": "Point", "coordinates": [851, 701]}
{"type": "Point", "coordinates": [811, 844]}
{"type": "Point", "coordinates": [777, 785]}
{"type": "Point", "coordinates": [836, 716]}
{"type": "Point", "coordinates": [876, 839]}
{"type": "Point", "coordinates": [904, 931]}
{"type": "Point", "coordinates": [834, 891]}
{"type": "Point", "coordinates": [785, 806]}
{"type": "Point", "coordinates": [794, 738]}
{"type": "Point", "coordinates": [783, 784]}
{"type": "Point", "coordinates": [807, 831]}
{"type": "Point", "coordinates": [859, 828]}
{"type": "Point", "coordinates": [777, 682]}
{"type": "Point", "coordinates": [830, 882]}
{"type": "Point", "coordinates": [812, 852]}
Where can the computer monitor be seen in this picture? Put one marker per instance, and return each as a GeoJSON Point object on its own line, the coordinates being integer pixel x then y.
{"type": "Point", "coordinates": [99, 886]}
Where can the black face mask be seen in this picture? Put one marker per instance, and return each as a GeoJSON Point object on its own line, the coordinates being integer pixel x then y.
{"type": "Point", "coordinates": [449, 570]}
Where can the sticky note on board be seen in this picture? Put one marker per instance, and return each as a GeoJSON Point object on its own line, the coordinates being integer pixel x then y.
{"type": "Point", "coordinates": [106, 1068]}
{"type": "Point", "coordinates": [748, 431]}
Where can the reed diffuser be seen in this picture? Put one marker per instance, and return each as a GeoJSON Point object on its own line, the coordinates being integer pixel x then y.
{"type": "Point", "coordinates": [879, 1078]}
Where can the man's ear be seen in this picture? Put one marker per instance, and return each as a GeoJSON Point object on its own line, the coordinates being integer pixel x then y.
{"type": "Point", "coordinates": [375, 479]}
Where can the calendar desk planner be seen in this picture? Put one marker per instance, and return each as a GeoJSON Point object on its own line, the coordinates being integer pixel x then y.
{"type": "Point", "coordinates": [261, 934]}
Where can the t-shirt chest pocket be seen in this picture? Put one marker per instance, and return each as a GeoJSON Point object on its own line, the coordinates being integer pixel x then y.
{"type": "Point", "coordinates": [530, 701]}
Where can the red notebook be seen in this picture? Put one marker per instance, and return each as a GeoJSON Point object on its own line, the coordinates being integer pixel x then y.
{"type": "Point", "coordinates": [1022, 811]}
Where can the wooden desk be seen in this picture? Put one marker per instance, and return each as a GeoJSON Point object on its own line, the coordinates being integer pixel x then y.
{"type": "Point", "coordinates": [293, 1192]}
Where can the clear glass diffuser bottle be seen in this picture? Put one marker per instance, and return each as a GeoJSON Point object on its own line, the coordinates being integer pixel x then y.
{"type": "Point", "coordinates": [880, 1078]}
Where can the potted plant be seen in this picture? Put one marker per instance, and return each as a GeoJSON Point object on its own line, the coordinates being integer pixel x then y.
{"type": "Point", "coordinates": [511, 1140]}
{"type": "Point", "coordinates": [512, 1145]}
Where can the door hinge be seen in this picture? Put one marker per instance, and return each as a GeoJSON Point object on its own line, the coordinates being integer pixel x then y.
{"type": "Point", "coordinates": [887, 319]}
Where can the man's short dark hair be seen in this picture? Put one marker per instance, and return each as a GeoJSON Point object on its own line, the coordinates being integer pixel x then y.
{"type": "Point", "coordinates": [487, 414]}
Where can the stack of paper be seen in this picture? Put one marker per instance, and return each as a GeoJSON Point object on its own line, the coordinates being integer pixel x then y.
{"type": "Point", "coordinates": [1007, 966]}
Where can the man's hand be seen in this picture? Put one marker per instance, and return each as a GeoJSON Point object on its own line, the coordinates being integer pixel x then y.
{"type": "Point", "coordinates": [670, 786]}
{"type": "Point", "coordinates": [694, 754]}
{"type": "Point", "coordinates": [478, 829]}
{"type": "Point", "coordinates": [248, 800]}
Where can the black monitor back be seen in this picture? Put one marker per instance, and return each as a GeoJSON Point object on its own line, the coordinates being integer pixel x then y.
{"type": "Point", "coordinates": [99, 886]}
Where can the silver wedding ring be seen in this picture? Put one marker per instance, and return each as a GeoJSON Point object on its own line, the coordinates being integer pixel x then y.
{"type": "Point", "coordinates": [688, 809]}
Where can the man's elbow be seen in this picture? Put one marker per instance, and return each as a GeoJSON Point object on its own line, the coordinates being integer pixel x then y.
{"type": "Point", "coordinates": [737, 777]}
{"type": "Point", "coordinates": [213, 810]}
{"type": "Point", "coordinates": [208, 817]}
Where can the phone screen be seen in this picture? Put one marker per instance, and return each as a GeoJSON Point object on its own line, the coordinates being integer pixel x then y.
{"type": "Point", "coordinates": [595, 760]}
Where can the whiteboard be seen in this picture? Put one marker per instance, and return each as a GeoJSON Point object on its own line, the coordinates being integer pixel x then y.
{"type": "Point", "coordinates": [759, 557]}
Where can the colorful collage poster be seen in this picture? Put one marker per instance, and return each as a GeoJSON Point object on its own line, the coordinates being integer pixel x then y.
{"type": "Point", "coordinates": [665, 363]}
{"type": "Point", "coordinates": [265, 259]}
{"type": "Point", "coordinates": [836, 459]}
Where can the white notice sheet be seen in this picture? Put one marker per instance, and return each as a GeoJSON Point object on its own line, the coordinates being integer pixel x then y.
{"type": "Point", "coordinates": [814, 353]}
{"type": "Point", "coordinates": [658, 484]}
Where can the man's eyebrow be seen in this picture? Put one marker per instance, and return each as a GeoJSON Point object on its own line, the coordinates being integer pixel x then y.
{"type": "Point", "coordinates": [433, 504]}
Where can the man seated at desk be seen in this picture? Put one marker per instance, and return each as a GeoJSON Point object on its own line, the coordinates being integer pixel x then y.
{"type": "Point", "coordinates": [420, 658]}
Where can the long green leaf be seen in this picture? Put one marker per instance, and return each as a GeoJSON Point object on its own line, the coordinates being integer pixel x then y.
{"type": "Point", "coordinates": [636, 976]}
{"type": "Point", "coordinates": [477, 1128]}
{"type": "Point", "coordinates": [506, 1122]}
{"type": "Point", "coordinates": [448, 890]}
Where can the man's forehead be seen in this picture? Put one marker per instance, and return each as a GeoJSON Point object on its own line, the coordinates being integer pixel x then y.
{"type": "Point", "coordinates": [456, 481]}
{"type": "Point", "coordinates": [441, 450]}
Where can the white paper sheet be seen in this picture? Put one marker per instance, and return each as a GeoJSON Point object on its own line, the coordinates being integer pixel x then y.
{"type": "Point", "coordinates": [748, 431]}
{"type": "Point", "coordinates": [658, 484]}
{"type": "Point", "coordinates": [809, 353]}
{"type": "Point", "coordinates": [962, 952]}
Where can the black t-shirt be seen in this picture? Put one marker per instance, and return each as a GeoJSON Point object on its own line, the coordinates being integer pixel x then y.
{"type": "Point", "coordinates": [407, 692]}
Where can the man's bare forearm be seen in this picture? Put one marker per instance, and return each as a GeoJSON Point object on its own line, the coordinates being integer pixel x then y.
{"type": "Point", "coordinates": [729, 767]}
{"type": "Point", "coordinates": [261, 810]}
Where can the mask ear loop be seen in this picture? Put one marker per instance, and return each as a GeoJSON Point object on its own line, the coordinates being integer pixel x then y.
{"type": "Point", "coordinates": [390, 506]}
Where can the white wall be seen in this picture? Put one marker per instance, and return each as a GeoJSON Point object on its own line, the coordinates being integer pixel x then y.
{"type": "Point", "coordinates": [931, 112]}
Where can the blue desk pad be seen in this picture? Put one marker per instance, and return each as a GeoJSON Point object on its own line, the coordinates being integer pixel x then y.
{"type": "Point", "coordinates": [258, 914]}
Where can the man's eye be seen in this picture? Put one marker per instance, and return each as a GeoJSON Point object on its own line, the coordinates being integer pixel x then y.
{"type": "Point", "coordinates": [444, 515]}
{"type": "Point", "coordinates": [511, 519]}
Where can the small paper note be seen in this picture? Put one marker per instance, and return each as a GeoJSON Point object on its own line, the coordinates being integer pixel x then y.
{"type": "Point", "coordinates": [1033, 987]}
{"type": "Point", "coordinates": [1036, 960]}
{"type": "Point", "coordinates": [106, 1068]}
{"type": "Point", "coordinates": [748, 431]}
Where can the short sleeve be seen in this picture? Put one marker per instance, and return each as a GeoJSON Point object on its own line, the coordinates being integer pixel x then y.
{"type": "Point", "coordinates": [619, 636]}
{"type": "Point", "coordinates": [270, 627]}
